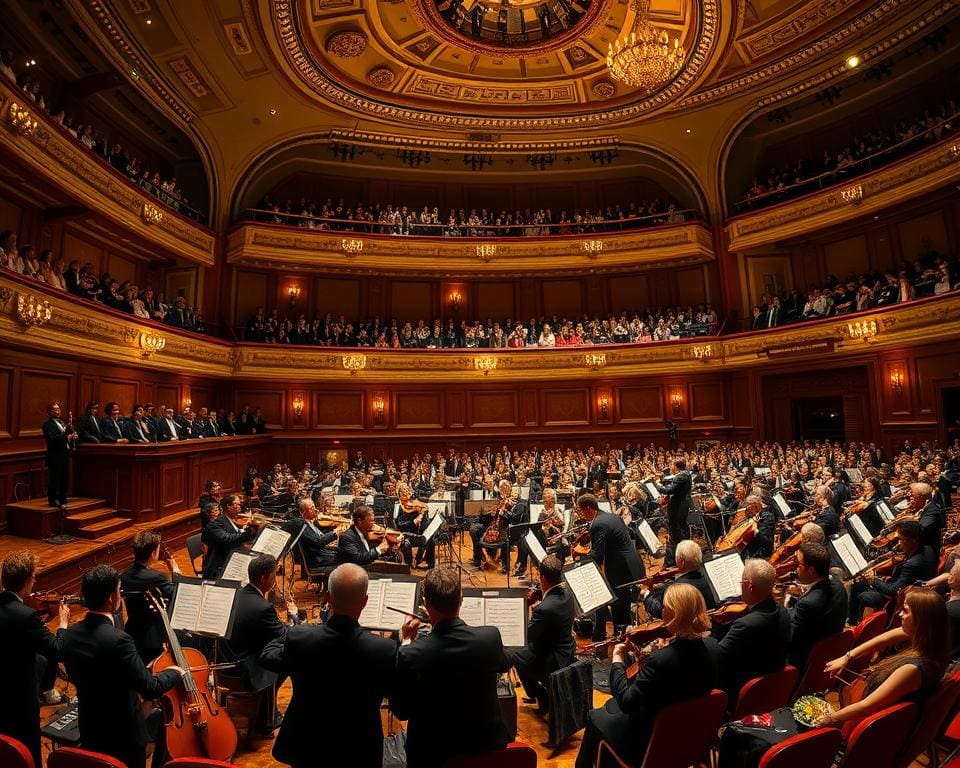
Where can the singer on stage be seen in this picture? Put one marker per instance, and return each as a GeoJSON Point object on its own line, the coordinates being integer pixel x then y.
{"type": "Point", "coordinates": [61, 438]}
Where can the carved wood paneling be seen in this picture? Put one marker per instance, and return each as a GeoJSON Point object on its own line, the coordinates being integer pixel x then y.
{"type": "Point", "coordinates": [565, 407]}
{"type": "Point", "coordinates": [641, 404]}
{"type": "Point", "coordinates": [707, 402]}
{"type": "Point", "coordinates": [338, 409]}
{"type": "Point", "coordinates": [418, 410]}
{"type": "Point", "coordinates": [456, 408]}
{"type": "Point", "coordinates": [6, 402]}
{"type": "Point", "coordinates": [273, 403]}
{"type": "Point", "coordinates": [494, 409]}
{"type": "Point", "coordinates": [37, 390]}
{"type": "Point", "coordinates": [173, 486]}
{"type": "Point", "coordinates": [126, 392]}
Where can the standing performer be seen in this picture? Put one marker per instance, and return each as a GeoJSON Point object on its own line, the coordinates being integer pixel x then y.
{"type": "Point", "coordinates": [678, 508]}
{"type": "Point", "coordinates": [60, 439]}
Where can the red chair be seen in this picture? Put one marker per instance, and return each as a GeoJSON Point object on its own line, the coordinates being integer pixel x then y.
{"type": "Point", "coordinates": [815, 679]}
{"type": "Point", "coordinates": [514, 755]}
{"type": "Point", "coordinates": [70, 757]}
{"type": "Point", "coordinates": [683, 733]}
{"type": "Point", "coordinates": [869, 627]}
{"type": "Point", "coordinates": [13, 754]}
{"type": "Point", "coordinates": [872, 744]}
{"type": "Point", "coordinates": [766, 693]}
{"type": "Point", "coordinates": [198, 762]}
{"type": "Point", "coordinates": [814, 749]}
{"type": "Point", "coordinates": [933, 717]}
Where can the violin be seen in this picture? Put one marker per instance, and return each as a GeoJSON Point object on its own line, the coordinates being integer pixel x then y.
{"type": "Point", "coordinates": [379, 533]}
{"type": "Point", "coordinates": [534, 594]}
{"type": "Point", "coordinates": [728, 612]}
{"type": "Point", "coordinates": [660, 577]}
{"type": "Point", "coordinates": [642, 634]}
{"type": "Point", "coordinates": [48, 603]}
{"type": "Point", "coordinates": [786, 549]}
{"type": "Point", "coordinates": [580, 546]}
{"type": "Point", "coordinates": [256, 520]}
{"type": "Point", "coordinates": [331, 521]}
{"type": "Point", "coordinates": [195, 725]}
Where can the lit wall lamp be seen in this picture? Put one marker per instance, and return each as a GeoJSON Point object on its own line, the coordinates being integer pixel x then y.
{"type": "Point", "coordinates": [604, 405]}
{"type": "Point", "coordinates": [455, 299]}
{"type": "Point", "coordinates": [896, 381]}
{"type": "Point", "coordinates": [187, 402]}
{"type": "Point", "coordinates": [151, 343]}
{"type": "Point", "coordinates": [677, 400]}
{"type": "Point", "coordinates": [378, 407]}
{"type": "Point", "coordinates": [294, 295]}
{"type": "Point", "coordinates": [298, 405]}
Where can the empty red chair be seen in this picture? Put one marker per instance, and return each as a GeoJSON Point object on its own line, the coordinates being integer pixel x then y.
{"type": "Point", "coordinates": [815, 679]}
{"type": "Point", "coordinates": [198, 762]}
{"type": "Point", "coordinates": [70, 757]}
{"type": "Point", "coordinates": [766, 693]}
{"type": "Point", "coordinates": [870, 626]}
{"type": "Point", "coordinates": [683, 733]}
{"type": "Point", "coordinates": [813, 749]}
{"type": "Point", "coordinates": [874, 741]}
{"type": "Point", "coordinates": [13, 754]}
{"type": "Point", "coordinates": [933, 717]}
{"type": "Point", "coordinates": [514, 755]}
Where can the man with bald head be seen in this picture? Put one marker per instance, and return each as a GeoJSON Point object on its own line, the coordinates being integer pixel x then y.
{"type": "Point", "coordinates": [340, 673]}
{"type": "Point", "coordinates": [932, 518]}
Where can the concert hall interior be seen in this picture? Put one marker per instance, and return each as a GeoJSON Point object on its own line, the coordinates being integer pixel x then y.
{"type": "Point", "coordinates": [545, 382]}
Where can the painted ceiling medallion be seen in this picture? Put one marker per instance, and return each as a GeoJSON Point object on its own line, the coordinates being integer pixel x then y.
{"type": "Point", "coordinates": [347, 45]}
{"type": "Point", "coordinates": [382, 77]}
{"type": "Point", "coordinates": [604, 89]}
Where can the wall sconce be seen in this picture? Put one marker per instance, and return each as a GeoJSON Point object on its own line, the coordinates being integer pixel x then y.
{"type": "Point", "coordinates": [865, 329]}
{"type": "Point", "coordinates": [151, 342]}
{"type": "Point", "coordinates": [354, 363]}
{"type": "Point", "coordinates": [298, 405]}
{"type": "Point", "coordinates": [151, 214]}
{"type": "Point", "coordinates": [31, 311]}
{"type": "Point", "coordinates": [677, 400]}
{"type": "Point", "coordinates": [896, 381]}
{"type": "Point", "coordinates": [604, 403]}
{"type": "Point", "coordinates": [455, 300]}
{"type": "Point", "coordinates": [294, 294]}
{"type": "Point", "coordinates": [592, 248]}
{"type": "Point", "coordinates": [21, 120]}
{"type": "Point", "coordinates": [595, 360]}
{"type": "Point", "coordinates": [485, 363]}
{"type": "Point", "coordinates": [852, 195]}
{"type": "Point", "coordinates": [351, 247]}
{"type": "Point", "coordinates": [486, 251]}
{"type": "Point", "coordinates": [187, 402]}
{"type": "Point", "coordinates": [378, 408]}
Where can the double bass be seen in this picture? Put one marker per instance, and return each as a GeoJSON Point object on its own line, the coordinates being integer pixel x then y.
{"type": "Point", "coordinates": [195, 725]}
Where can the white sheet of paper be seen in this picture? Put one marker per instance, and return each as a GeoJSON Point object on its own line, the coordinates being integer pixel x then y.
{"type": "Point", "coordinates": [535, 511]}
{"type": "Point", "coordinates": [476, 494]}
{"type": "Point", "coordinates": [343, 500]}
{"type": "Point", "coordinates": [397, 594]}
{"type": "Point", "coordinates": [237, 566]}
{"type": "Point", "coordinates": [853, 561]}
{"type": "Point", "coordinates": [186, 608]}
{"type": "Point", "coordinates": [855, 475]}
{"type": "Point", "coordinates": [471, 611]}
{"type": "Point", "coordinates": [433, 527]}
{"type": "Point", "coordinates": [885, 512]}
{"type": "Point", "coordinates": [370, 615]}
{"type": "Point", "coordinates": [782, 505]}
{"type": "Point", "coordinates": [525, 492]}
{"type": "Point", "coordinates": [648, 536]}
{"type": "Point", "coordinates": [535, 547]}
{"type": "Point", "coordinates": [271, 541]}
{"type": "Point", "coordinates": [725, 574]}
{"type": "Point", "coordinates": [215, 610]}
{"type": "Point", "coordinates": [588, 587]}
{"type": "Point", "coordinates": [436, 509]}
{"type": "Point", "coordinates": [857, 526]}
{"type": "Point", "coordinates": [902, 505]}
{"type": "Point", "coordinates": [653, 491]}
{"type": "Point", "coordinates": [761, 471]}
{"type": "Point", "coordinates": [604, 506]}
{"type": "Point", "coordinates": [509, 615]}
{"type": "Point", "coordinates": [567, 518]}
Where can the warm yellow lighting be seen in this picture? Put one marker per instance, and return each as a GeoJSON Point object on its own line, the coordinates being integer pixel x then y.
{"type": "Point", "coordinates": [151, 343]}
{"type": "Point", "coordinates": [298, 405]}
{"type": "Point", "coordinates": [897, 381]}
{"type": "Point", "coordinates": [595, 359]}
{"type": "Point", "coordinates": [354, 363]}
{"type": "Point", "coordinates": [378, 409]}
{"type": "Point", "coordinates": [485, 363]}
{"type": "Point", "coordinates": [351, 247]}
{"type": "Point", "coordinates": [645, 58]}
{"type": "Point", "coordinates": [151, 214]}
{"type": "Point", "coordinates": [677, 399]}
{"type": "Point", "coordinates": [486, 251]}
{"type": "Point", "coordinates": [21, 120]}
{"type": "Point", "coordinates": [604, 405]}
{"type": "Point", "coordinates": [853, 62]}
{"type": "Point", "coordinates": [862, 329]}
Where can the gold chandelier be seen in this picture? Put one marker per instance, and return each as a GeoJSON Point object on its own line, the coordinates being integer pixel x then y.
{"type": "Point", "coordinates": [645, 58]}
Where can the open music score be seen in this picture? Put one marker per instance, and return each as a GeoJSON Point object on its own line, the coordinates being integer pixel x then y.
{"type": "Point", "coordinates": [271, 541]}
{"type": "Point", "coordinates": [237, 567]}
{"type": "Point", "coordinates": [855, 475]}
{"type": "Point", "coordinates": [535, 547]}
{"type": "Point", "coordinates": [505, 609]}
{"type": "Point", "coordinates": [395, 591]}
{"type": "Point", "coordinates": [855, 524]}
{"type": "Point", "coordinates": [589, 588]}
{"type": "Point", "coordinates": [886, 513]}
{"type": "Point", "coordinates": [846, 551]}
{"type": "Point", "coordinates": [434, 525]}
{"type": "Point", "coordinates": [652, 491]}
{"type": "Point", "coordinates": [782, 505]}
{"type": "Point", "coordinates": [204, 608]}
{"type": "Point", "coordinates": [724, 574]}
{"type": "Point", "coordinates": [649, 538]}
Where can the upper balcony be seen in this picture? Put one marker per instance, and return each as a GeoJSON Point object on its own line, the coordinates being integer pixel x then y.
{"type": "Point", "coordinates": [314, 244]}
{"type": "Point", "coordinates": [35, 147]}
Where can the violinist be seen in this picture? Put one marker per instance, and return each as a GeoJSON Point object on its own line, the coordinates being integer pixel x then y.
{"type": "Point", "coordinates": [212, 494]}
{"type": "Point", "coordinates": [551, 524]}
{"type": "Point", "coordinates": [687, 667]}
{"type": "Point", "coordinates": [866, 506]}
{"type": "Point", "coordinates": [224, 535]}
{"type": "Point", "coordinates": [355, 547]}
{"type": "Point", "coordinates": [821, 610]}
{"type": "Point", "coordinates": [315, 542]}
{"type": "Point", "coordinates": [679, 506]}
{"type": "Point", "coordinates": [932, 518]}
{"type": "Point", "coordinates": [412, 519]}
{"type": "Point", "coordinates": [689, 558]}
{"type": "Point", "coordinates": [761, 546]}
{"type": "Point", "coordinates": [824, 514]}
{"type": "Point", "coordinates": [919, 564]}
{"type": "Point", "coordinates": [550, 645]}
{"type": "Point", "coordinates": [29, 653]}
{"type": "Point", "coordinates": [143, 624]}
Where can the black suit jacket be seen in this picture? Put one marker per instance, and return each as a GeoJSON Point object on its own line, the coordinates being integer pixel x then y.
{"type": "Point", "coordinates": [143, 624]}
{"type": "Point", "coordinates": [23, 636]}
{"type": "Point", "coordinates": [135, 433]}
{"type": "Point", "coordinates": [221, 538]}
{"type": "Point", "coordinates": [110, 430]}
{"type": "Point", "coordinates": [933, 520]}
{"type": "Point", "coordinates": [314, 544]}
{"type": "Point", "coordinates": [340, 674]}
{"type": "Point", "coordinates": [351, 549]}
{"type": "Point", "coordinates": [756, 644]}
{"type": "Point", "coordinates": [103, 663]}
{"type": "Point", "coordinates": [829, 520]}
{"type": "Point", "coordinates": [89, 429]}
{"type": "Point", "coordinates": [446, 688]}
{"type": "Point", "coordinates": [612, 548]}
{"type": "Point", "coordinates": [255, 623]}
{"type": "Point", "coordinates": [654, 601]}
{"type": "Point", "coordinates": [819, 613]}
{"type": "Point", "coordinates": [681, 503]}
{"type": "Point", "coordinates": [57, 445]}
{"type": "Point", "coordinates": [682, 670]}
{"type": "Point", "coordinates": [550, 643]}
{"type": "Point", "coordinates": [919, 567]}
{"type": "Point", "coordinates": [164, 433]}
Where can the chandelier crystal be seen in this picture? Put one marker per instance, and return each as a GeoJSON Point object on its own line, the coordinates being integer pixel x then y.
{"type": "Point", "coordinates": [645, 58]}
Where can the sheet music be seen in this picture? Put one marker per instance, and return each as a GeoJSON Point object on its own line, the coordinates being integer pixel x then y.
{"type": "Point", "coordinates": [649, 537]}
{"type": "Point", "coordinates": [567, 518]}
{"type": "Point", "coordinates": [761, 471]}
{"type": "Point", "coordinates": [724, 574]}
{"type": "Point", "coordinates": [855, 475]}
{"type": "Point", "coordinates": [215, 610]}
{"type": "Point", "coordinates": [536, 510]}
{"type": "Point", "coordinates": [885, 512]}
{"type": "Point", "coordinates": [186, 606]}
{"type": "Point", "coordinates": [850, 557]}
{"type": "Point", "coordinates": [604, 506]}
{"type": "Point", "coordinates": [856, 525]}
{"type": "Point", "coordinates": [535, 547]}
{"type": "Point", "coordinates": [271, 541]}
{"type": "Point", "coordinates": [397, 594]}
{"type": "Point", "coordinates": [525, 492]}
{"type": "Point", "coordinates": [902, 505]}
{"type": "Point", "coordinates": [476, 494]}
{"type": "Point", "coordinates": [237, 566]}
{"type": "Point", "coordinates": [588, 587]}
{"type": "Point", "coordinates": [509, 615]}
{"type": "Point", "coordinates": [652, 490]}
{"type": "Point", "coordinates": [343, 500]}
{"type": "Point", "coordinates": [370, 615]}
{"type": "Point", "coordinates": [471, 611]}
{"type": "Point", "coordinates": [782, 505]}
{"type": "Point", "coordinates": [436, 509]}
{"type": "Point", "coordinates": [433, 527]}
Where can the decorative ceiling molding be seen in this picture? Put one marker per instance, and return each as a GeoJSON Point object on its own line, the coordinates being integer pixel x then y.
{"type": "Point", "coordinates": [367, 138]}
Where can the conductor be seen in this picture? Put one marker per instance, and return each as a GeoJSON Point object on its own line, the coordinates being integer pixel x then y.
{"type": "Point", "coordinates": [678, 508]}
{"type": "Point", "coordinates": [60, 438]}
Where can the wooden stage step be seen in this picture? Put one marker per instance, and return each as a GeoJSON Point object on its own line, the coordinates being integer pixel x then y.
{"type": "Point", "coordinates": [103, 527]}
{"type": "Point", "coordinates": [35, 519]}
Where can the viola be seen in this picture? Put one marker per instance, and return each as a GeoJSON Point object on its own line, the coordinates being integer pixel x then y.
{"type": "Point", "coordinates": [786, 549]}
{"type": "Point", "coordinates": [728, 613]}
{"type": "Point", "coordinates": [580, 546]}
{"type": "Point", "coordinates": [195, 725]}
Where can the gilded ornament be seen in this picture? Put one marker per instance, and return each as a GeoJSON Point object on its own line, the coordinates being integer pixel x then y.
{"type": "Point", "coordinates": [347, 44]}
{"type": "Point", "coordinates": [604, 89]}
{"type": "Point", "coordinates": [382, 77]}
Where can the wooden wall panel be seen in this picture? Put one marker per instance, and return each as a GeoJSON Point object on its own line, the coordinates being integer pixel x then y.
{"type": "Point", "coordinates": [166, 394]}
{"type": "Point", "coordinates": [173, 486]}
{"type": "Point", "coordinates": [930, 367]}
{"type": "Point", "coordinates": [338, 297]}
{"type": "Point", "coordinates": [124, 391]}
{"type": "Point", "coordinates": [338, 409]}
{"type": "Point", "coordinates": [273, 403]}
{"type": "Point", "coordinates": [691, 289]}
{"type": "Point", "coordinates": [848, 255]}
{"type": "Point", "coordinates": [456, 408]}
{"type": "Point", "coordinates": [566, 407]}
{"type": "Point", "coordinates": [494, 409]}
{"type": "Point", "coordinates": [641, 404]}
{"type": "Point", "coordinates": [411, 301]}
{"type": "Point", "coordinates": [75, 247]}
{"type": "Point", "coordinates": [495, 300]}
{"type": "Point", "coordinates": [251, 292]}
{"type": "Point", "coordinates": [922, 234]}
{"type": "Point", "coordinates": [121, 268]}
{"type": "Point", "coordinates": [418, 410]}
{"type": "Point", "coordinates": [629, 292]}
{"type": "Point", "coordinates": [562, 297]}
{"type": "Point", "coordinates": [37, 390]}
{"type": "Point", "coordinates": [707, 402]}
{"type": "Point", "coordinates": [6, 402]}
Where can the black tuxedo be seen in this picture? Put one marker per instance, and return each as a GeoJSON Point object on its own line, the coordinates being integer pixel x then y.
{"type": "Point", "coordinates": [57, 460]}
{"type": "Point", "coordinates": [227, 427]}
{"type": "Point", "coordinates": [762, 544]}
{"type": "Point", "coordinates": [550, 644]}
{"type": "Point", "coordinates": [919, 567]}
{"type": "Point", "coordinates": [314, 544]}
{"type": "Point", "coordinates": [111, 430]}
{"type": "Point", "coordinates": [933, 520]}
{"type": "Point", "coordinates": [211, 428]}
{"type": "Point", "coordinates": [143, 624]}
{"type": "Point", "coordinates": [446, 688]}
{"type": "Point", "coordinates": [352, 549]}
{"type": "Point", "coordinates": [682, 670]}
{"type": "Point", "coordinates": [222, 537]}
{"type": "Point", "coordinates": [679, 507]}
{"type": "Point", "coordinates": [23, 637]}
{"type": "Point", "coordinates": [819, 613]}
{"type": "Point", "coordinates": [165, 433]}
{"type": "Point", "coordinates": [754, 645]}
{"type": "Point", "coordinates": [89, 429]}
{"type": "Point", "coordinates": [829, 520]}
{"type": "Point", "coordinates": [612, 548]}
{"type": "Point", "coordinates": [134, 432]}
{"type": "Point", "coordinates": [340, 674]}
{"type": "Point", "coordinates": [103, 663]}
{"type": "Point", "coordinates": [255, 623]}
{"type": "Point", "coordinates": [654, 601]}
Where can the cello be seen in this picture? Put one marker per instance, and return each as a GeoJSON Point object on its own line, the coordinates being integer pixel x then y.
{"type": "Point", "coordinates": [195, 725]}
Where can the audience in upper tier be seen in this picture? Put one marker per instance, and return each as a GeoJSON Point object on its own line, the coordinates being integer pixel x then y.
{"type": "Point", "coordinates": [865, 153]}
{"type": "Point", "coordinates": [94, 139]}
{"type": "Point", "coordinates": [388, 219]}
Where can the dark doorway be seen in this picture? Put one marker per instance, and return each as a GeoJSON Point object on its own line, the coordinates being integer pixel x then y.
{"type": "Point", "coordinates": [951, 412]}
{"type": "Point", "coordinates": [818, 418]}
